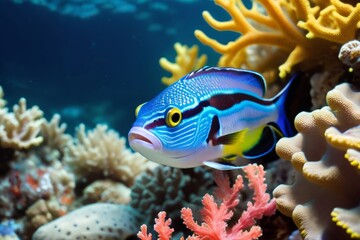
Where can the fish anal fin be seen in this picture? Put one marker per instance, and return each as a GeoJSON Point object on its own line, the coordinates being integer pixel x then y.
{"type": "Point", "coordinates": [221, 166]}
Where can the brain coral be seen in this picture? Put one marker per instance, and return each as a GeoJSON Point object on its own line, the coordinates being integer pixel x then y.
{"type": "Point", "coordinates": [95, 221]}
{"type": "Point", "coordinates": [324, 201]}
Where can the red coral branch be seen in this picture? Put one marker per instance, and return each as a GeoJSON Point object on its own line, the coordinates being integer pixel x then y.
{"type": "Point", "coordinates": [215, 216]}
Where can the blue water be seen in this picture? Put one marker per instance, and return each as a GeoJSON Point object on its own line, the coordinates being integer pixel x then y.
{"type": "Point", "coordinates": [96, 69]}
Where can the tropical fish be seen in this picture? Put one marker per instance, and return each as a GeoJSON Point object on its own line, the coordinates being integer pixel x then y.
{"type": "Point", "coordinates": [210, 117]}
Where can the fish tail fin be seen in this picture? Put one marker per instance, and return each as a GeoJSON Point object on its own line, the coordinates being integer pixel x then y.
{"type": "Point", "coordinates": [291, 100]}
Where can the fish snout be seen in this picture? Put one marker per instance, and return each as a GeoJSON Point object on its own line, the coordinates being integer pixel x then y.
{"type": "Point", "coordinates": [140, 138]}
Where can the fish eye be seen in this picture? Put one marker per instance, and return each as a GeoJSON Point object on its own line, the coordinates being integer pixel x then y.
{"type": "Point", "coordinates": [173, 117]}
{"type": "Point", "coordinates": [137, 109]}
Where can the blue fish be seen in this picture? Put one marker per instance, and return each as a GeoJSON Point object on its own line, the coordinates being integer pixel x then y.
{"type": "Point", "coordinates": [210, 117]}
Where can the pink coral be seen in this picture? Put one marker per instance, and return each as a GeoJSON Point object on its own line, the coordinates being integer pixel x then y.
{"type": "Point", "coordinates": [215, 217]}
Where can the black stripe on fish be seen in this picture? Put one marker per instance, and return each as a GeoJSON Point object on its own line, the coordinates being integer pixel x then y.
{"type": "Point", "coordinates": [219, 101]}
{"type": "Point", "coordinates": [214, 129]}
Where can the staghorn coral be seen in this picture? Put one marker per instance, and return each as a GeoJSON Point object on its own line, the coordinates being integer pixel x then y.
{"type": "Point", "coordinates": [324, 194]}
{"type": "Point", "coordinates": [94, 221]}
{"type": "Point", "coordinates": [55, 139]}
{"type": "Point", "coordinates": [332, 20]}
{"type": "Point", "coordinates": [281, 24]}
{"type": "Point", "coordinates": [216, 216]}
{"type": "Point", "coordinates": [186, 61]}
{"type": "Point", "coordinates": [102, 153]}
{"type": "Point", "coordinates": [20, 129]}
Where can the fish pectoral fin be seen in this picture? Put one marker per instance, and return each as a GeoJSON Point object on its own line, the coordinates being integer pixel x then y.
{"type": "Point", "coordinates": [266, 143]}
{"type": "Point", "coordinates": [221, 166]}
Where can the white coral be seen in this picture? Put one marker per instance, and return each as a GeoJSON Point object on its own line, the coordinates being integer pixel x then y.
{"type": "Point", "coordinates": [20, 129]}
{"type": "Point", "coordinates": [102, 153]}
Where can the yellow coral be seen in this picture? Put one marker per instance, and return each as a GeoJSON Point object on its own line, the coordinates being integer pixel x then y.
{"type": "Point", "coordinates": [335, 21]}
{"type": "Point", "coordinates": [275, 23]}
{"type": "Point", "coordinates": [186, 60]}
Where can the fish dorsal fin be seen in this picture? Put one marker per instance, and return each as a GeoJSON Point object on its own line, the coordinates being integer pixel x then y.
{"type": "Point", "coordinates": [232, 78]}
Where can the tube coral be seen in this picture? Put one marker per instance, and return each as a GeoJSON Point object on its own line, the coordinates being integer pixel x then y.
{"type": "Point", "coordinates": [325, 154]}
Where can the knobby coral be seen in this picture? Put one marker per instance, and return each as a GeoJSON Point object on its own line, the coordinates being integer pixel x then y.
{"type": "Point", "coordinates": [186, 60]}
{"type": "Point", "coordinates": [281, 24]}
{"type": "Point", "coordinates": [216, 217]}
{"type": "Point", "coordinates": [102, 153]}
{"type": "Point", "coordinates": [325, 154]}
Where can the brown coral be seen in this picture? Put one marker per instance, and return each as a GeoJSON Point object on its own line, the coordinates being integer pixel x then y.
{"type": "Point", "coordinates": [326, 182]}
{"type": "Point", "coordinates": [102, 153]}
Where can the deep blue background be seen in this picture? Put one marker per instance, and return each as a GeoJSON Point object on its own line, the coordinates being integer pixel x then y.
{"type": "Point", "coordinates": [99, 68]}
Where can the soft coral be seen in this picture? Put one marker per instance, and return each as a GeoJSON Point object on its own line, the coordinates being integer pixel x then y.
{"type": "Point", "coordinates": [216, 216]}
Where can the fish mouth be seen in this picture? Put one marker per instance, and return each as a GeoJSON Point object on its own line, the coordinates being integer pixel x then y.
{"type": "Point", "coordinates": [141, 138]}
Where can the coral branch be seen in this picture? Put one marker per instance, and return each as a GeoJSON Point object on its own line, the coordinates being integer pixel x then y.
{"type": "Point", "coordinates": [186, 60]}
{"type": "Point", "coordinates": [216, 216]}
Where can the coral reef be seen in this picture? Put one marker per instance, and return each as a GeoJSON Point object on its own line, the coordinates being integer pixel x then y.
{"type": "Point", "coordinates": [44, 211]}
{"type": "Point", "coordinates": [101, 153]}
{"type": "Point", "coordinates": [55, 139]}
{"type": "Point", "coordinates": [186, 61]}
{"type": "Point", "coordinates": [281, 25]}
{"type": "Point", "coordinates": [325, 155]}
{"type": "Point", "coordinates": [29, 180]}
{"type": "Point", "coordinates": [107, 191]}
{"type": "Point", "coordinates": [169, 189]}
{"type": "Point", "coordinates": [95, 221]}
{"type": "Point", "coordinates": [216, 216]}
{"type": "Point", "coordinates": [7, 231]}
{"type": "Point", "coordinates": [20, 129]}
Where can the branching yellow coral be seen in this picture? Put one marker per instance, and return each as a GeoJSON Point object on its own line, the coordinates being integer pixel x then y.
{"type": "Point", "coordinates": [275, 23]}
{"type": "Point", "coordinates": [335, 21]}
{"type": "Point", "coordinates": [186, 61]}
{"type": "Point", "coordinates": [20, 129]}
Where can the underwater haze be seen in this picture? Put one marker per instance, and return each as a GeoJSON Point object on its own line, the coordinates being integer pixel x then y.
{"type": "Point", "coordinates": [92, 61]}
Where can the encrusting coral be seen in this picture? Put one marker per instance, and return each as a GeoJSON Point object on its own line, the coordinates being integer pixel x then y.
{"type": "Point", "coordinates": [101, 153]}
{"type": "Point", "coordinates": [216, 216]}
{"type": "Point", "coordinates": [324, 201]}
{"type": "Point", "coordinates": [186, 61]}
{"type": "Point", "coordinates": [94, 221]}
{"type": "Point", "coordinates": [281, 24]}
